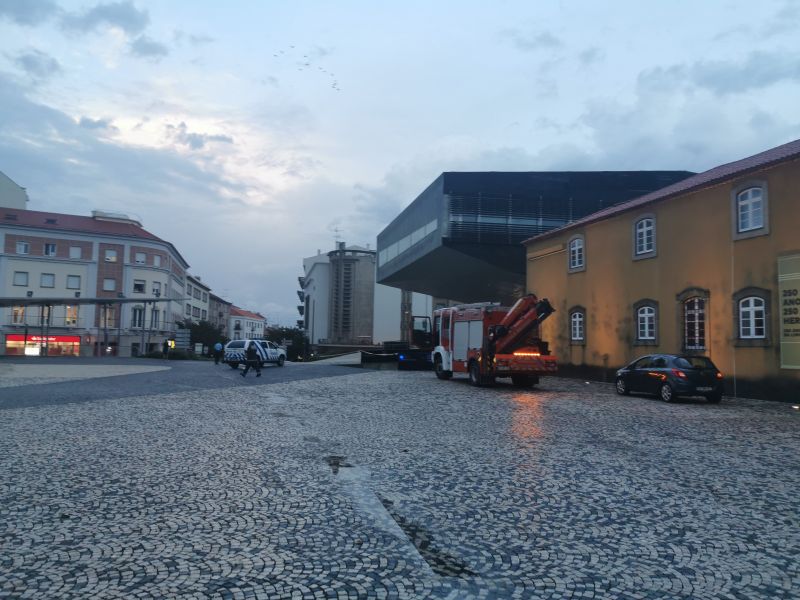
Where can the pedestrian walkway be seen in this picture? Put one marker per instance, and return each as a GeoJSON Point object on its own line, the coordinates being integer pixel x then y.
{"type": "Point", "coordinates": [12, 375]}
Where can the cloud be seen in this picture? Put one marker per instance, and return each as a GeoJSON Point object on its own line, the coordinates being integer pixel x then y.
{"type": "Point", "coordinates": [194, 39]}
{"type": "Point", "coordinates": [196, 141]}
{"type": "Point", "coordinates": [28, 12]}
{"type": "Point", "coordinates": [37, 64]}
{"type": "Point", "coordinates": [97, 124]}
{"type": "Point", "coordinates": [123, 15]}
{"type": "Point", "coordinates": [145, 47]}
{"type": "Point", "coordinates": [757, 70]}
{"type": "Point", "coordinates": [531, 42]}
{"type": "Point", "coordinates": [590, 56]}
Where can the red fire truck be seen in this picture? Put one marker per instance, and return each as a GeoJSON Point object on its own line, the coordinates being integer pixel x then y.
{"type": "Point", "coordinates": [487, 341]}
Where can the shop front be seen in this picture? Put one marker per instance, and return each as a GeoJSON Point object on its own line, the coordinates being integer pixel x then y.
{"type": "Point", "coordinates": [42, 345]}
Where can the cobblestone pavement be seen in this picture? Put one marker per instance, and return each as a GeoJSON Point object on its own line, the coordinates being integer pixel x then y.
{"type": "Point", "coordinates": [397, 485]}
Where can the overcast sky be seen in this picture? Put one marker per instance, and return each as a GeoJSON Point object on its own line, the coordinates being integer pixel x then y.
{"type": "Point", "coordinates": [251, 134]}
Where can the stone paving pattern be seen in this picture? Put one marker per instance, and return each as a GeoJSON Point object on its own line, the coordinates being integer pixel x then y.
{"type": "Point", "coordinates": [397, 485]}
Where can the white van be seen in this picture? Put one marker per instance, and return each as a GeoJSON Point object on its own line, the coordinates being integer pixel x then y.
{"type": "Point", "coordinates": [268, 352]}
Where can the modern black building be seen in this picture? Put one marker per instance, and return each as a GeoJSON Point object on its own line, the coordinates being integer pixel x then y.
{"type": "Point", "coordinates": [461, 238]}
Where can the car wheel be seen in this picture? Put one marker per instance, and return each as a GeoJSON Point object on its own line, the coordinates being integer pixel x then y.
{"type": "Point", "coordinates": [666, 393]}
{"type": "Point", "coordinates": [438, 368]}
{"type": "Point", "coordinates": [281, 360]}
{"type": "Point", "coordinates": [622, 387]}
{"type": "Point", "coordinates": [521, 381]}
{"type": "Point", "coordinates": [233, 365]}
{"type": "Point", "coordinates": [714, 398]}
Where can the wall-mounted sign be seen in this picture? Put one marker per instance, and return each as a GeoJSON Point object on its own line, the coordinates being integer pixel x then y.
{"type": "Point", "coordinates": [789, 306]}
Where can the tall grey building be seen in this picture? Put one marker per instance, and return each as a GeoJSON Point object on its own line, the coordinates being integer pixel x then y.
{"type": "Point", "coordinates": [338, 290]}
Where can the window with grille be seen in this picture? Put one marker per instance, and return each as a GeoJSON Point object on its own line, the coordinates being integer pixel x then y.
{"type": "Point", "coordinates": [694, 323]}
{"type": "Point", "coordinates": [752, 318]}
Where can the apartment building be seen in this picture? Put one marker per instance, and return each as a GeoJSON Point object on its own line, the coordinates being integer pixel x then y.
{"type": "Point", "coordinates": [85, 285]}
{"type": "Point", "coordinates": [219, 313]}
{"type": "Point", "coordinates": [196, 307]}
{"type": "Point", "coordinates": [246, 325]}
{"type": "Point", "coordinates": [338, 295]}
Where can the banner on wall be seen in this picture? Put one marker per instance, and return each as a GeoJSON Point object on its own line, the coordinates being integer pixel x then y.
{"type": "Point", "coordinates": [789, 306]}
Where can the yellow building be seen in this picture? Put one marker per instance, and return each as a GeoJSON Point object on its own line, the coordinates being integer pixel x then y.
{"type": "Point", "coordinates": [709, 265]}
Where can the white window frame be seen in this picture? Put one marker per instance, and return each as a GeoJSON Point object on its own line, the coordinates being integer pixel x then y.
{"type": "Point", "coordinates": [645, 235]}
{"type": "Point", "coordinates": [18, 315]}
{"type": "Point", "coordinates": [577, 326]}
{"type": "Point", "coordinates": [49, 275]}
{"type": "Point", "coordinates": [156, 260]}
{"type": "Point", "coordinates": [109, 284]}
{"type": "Point", "coordinates": [23, 247]}
{"type": "Point", "coordinates": [137, 317]}
{"type": "Point", "coordinates": [140, 258]}
{"type": "Point", "coordinates": [750, 201]}
{"type": "Point", "coordinates": [577, 254]}
{"type": "Point", "coordinates": [110, 255]}
{"type": "Point", "coordinates": [646, 323]}
{"type": "Point", "coordinates": [50, 249]}
{"type": "Point", "coordinates": [142, 285]}
{"type": "Point", "coordinates": [752, 310]}
{"type": "Point", "coordinates": [75, 252]}
{"type": "Point", "coordinates": [18, 278]}
{"type": "Point", "coordinates": [73, 278]}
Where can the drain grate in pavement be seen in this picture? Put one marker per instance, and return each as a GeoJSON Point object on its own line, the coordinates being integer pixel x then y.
{"type": "Point", "coordinates": [337, 462]}
{"type": "Point", "coordinates": [442, 563]}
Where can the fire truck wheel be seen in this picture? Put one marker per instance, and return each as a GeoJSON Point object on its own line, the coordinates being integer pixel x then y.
{"type": "Point", "coordinates": [522, 381]}
{"type": "Point", "coordinates": [438, 368]}
{"type": "Point", "coordinates": [475, 377]}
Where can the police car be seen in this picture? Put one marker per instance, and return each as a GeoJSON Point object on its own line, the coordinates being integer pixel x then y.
{"type": "Point", "coordinates": [268, 352]}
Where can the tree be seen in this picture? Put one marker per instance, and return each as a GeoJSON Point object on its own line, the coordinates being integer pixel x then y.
{"type": "Point", "coordinates": [293, 338]}
{"type": "Point", "coordinates": [204, 333]}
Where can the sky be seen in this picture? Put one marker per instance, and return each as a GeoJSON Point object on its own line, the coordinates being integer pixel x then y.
{"type": "Point", "coordinates": [253, 134]}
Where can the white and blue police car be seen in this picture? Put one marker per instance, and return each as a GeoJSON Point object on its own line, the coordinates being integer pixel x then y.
{"type": "Point", "coordinates": [268, 352]}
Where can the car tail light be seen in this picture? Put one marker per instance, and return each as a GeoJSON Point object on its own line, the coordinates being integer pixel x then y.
{"type": "Point", "coordinates": [679, 374]}
{"type": "Point", "coordinates": [719, 375]}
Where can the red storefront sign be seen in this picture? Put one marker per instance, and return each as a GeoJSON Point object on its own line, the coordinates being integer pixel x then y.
{"type": "Point", "coordinates": [44, 339]}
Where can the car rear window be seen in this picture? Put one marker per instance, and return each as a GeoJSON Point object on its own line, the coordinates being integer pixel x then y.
{"type": "Point", "coordinates": [239, 344]}
{"type": "Point", "coordinates": [694, 362]}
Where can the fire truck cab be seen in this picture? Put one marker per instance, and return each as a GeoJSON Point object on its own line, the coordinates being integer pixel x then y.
{"type": "Point", "coordinates": [487, 341]}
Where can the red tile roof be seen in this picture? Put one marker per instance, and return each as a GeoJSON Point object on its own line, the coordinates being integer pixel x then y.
{"type": "Point", "coordinates": [89, 225]}
{"type": "Point", "coordinates": [240, 312]}
{"type": "Point", "coordinates": [784, 153]}
{"type": "Point", "coordinates": [63, 222]}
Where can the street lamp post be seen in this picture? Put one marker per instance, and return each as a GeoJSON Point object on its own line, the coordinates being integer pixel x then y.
{"type": "Point", "coordinates": [157, 294]}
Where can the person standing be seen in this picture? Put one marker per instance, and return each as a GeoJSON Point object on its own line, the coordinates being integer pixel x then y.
{"type": "Point", "coordinates": [253, 360]}
{"type": "Point", "coordinates": [165, 349]}
{"type": "Point", "coordinates": [217, 352]}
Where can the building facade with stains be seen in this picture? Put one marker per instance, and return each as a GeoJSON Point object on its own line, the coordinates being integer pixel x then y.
{"type": "Point", "coordinates": [709, 265]}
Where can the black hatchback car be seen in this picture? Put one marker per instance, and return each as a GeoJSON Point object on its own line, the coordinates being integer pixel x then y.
{"type": "Point", "coordinates": [671, 375]}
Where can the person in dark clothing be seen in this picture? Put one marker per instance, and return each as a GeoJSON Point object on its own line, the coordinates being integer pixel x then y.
{"type": "Point", "coordinates": [165, 349]}
{"type": "Point", "coordinates": [253, 360]}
